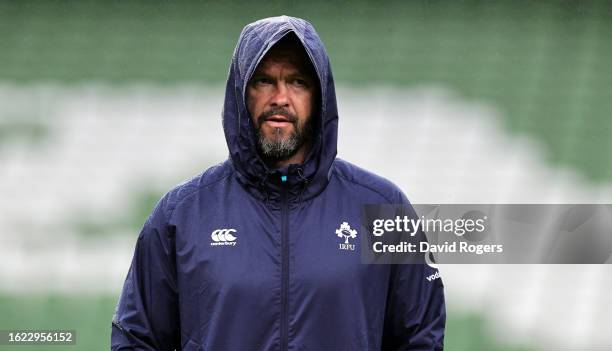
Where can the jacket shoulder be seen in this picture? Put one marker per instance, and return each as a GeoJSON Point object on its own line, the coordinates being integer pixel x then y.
{"type": "Point", "coordinates": [183, 191]}
{"type": "Point", "coordinates": [368, 180]}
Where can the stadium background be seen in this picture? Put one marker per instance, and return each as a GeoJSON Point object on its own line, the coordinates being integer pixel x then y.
{"type": "Point", "coordinates": [105, 105]}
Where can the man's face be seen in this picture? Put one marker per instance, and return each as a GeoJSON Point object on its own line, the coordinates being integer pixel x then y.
{"type": "Point", "coordinates": [281, 98]}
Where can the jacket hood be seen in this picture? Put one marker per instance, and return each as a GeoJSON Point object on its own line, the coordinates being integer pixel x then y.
{"type": "Point", "coordinates": [310, 178]}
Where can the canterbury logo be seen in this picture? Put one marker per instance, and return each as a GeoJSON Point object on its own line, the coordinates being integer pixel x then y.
{"type": "Point", "coordinates": [223, 237]}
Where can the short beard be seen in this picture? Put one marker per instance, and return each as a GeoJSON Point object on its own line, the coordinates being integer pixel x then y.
{"type": "Point", "coordinates": [277, 148]}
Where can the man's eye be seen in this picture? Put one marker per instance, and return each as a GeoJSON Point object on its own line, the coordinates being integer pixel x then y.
{"type": "Point", "coordinates": [300, 82]}
{"type": "Point", "coordinates": [263, 81]}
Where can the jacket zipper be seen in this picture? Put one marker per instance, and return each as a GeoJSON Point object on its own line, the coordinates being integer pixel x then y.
{"type": "Point", "coordinates": [284, 326]}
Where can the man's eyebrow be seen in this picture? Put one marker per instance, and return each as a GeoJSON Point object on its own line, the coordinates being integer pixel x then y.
{"type": "Point", "coordinates": [304, 72]}
{"type": "Point", "coordinates": [297, 74]}
{"type": "Point", "coordinates": [259, 74]}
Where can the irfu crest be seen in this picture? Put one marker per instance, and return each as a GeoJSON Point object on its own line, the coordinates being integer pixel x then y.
{"type": "Point", "coordinates": [345, 231]}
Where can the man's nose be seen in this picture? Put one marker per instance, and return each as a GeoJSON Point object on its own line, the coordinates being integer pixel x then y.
{"type": "Point", "coordinates": [281, 97]}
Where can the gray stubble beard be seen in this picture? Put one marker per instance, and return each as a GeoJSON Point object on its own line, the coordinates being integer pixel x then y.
{"type": "Point", "coordinates": [280, 149]}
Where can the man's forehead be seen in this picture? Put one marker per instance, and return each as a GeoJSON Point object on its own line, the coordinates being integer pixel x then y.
{"type": "Point", "coordinates": [288, 52]}
{"type": "Point", "coordinates": [286, 55]}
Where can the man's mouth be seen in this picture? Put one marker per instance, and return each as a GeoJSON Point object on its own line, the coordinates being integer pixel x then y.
{"type": "Point", "coordinates": [277, 118]}
{"type": "Point", "coordinates": [277, 121]}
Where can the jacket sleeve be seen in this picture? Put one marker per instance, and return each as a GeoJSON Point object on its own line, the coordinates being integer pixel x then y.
{"type": "Point", "coordinates": [147, 316]}
{"type": "Point", "coordinates": [415, 314]}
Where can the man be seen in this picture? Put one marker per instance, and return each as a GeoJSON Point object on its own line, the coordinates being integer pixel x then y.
{"type": "Point", "coordinates": [247, 256]}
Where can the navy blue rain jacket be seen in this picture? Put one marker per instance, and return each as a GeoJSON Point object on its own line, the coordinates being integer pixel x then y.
{"type": "Point", "coordinates": [236, 259]}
